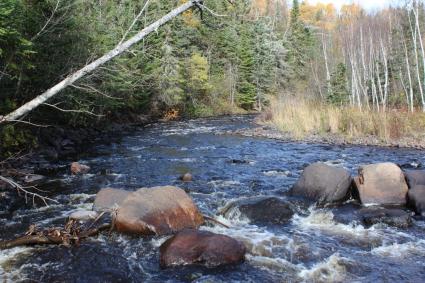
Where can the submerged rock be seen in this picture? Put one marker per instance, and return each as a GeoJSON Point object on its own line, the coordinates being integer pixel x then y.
{"type": "Point", "coordinates": [201, 247]}
{"type": "Point", "coordinates": [416, 199]}
{"type": "Point", "coordinates": [33, 178]}
{"type": "Point", "coordinates": [108, 199]}
{"type": "Point", "coordinates": [390, 216]}
{"type": "Point", "coordinates": [323, 183]}
{"type": "Point", "coordinates": [382, 184]}
{"type": "Point", "coordinates": [77, 168]}
{"type": "Point", "coordinates": [262, 210]}
{"type": "Point", "coordinates": [157, 211]}
{"type": "Point", "coordinates": [415, 177]}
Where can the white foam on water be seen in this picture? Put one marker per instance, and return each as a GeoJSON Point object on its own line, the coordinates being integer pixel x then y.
{"type": "Point", "coordinates": [275, 264]}
{"type": "Point", "coordinates": [333, 269]}
{"type": "Point", "coordinates": [258, 241]}
{"type": "Point", "coordinates": [224, 183]}
{"type": "Point", "coordinates": [323, 221]}
{"type": "Point", "coordinates": [7, 275]}
{"type": "Point", "coordinates": [277, 173]}
{"type": "Point", "coordinates": [186, 160]}
{"type": "Point", "coordinates": [404, 250]}
{"type": "Point", "coordinates": [81, 197]}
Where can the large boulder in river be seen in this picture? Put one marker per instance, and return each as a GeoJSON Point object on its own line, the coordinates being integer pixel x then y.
{"type": "Point", "coordinates": [415, 177]}
{"type": "Point", "coordinates": [323, 183]}
{"type": "Point", "coordinates": [201, 247]}
{"type": "Point", "coordinates": [261, 210]}
{"type": "Point", "coordinates": [381, 183]}
{"type": "Point", "coordinates": [416, 199]}
{"type": "Point", "coordinates": [157, 211]}
{"type": "Point", "coordinates": [108, 199]}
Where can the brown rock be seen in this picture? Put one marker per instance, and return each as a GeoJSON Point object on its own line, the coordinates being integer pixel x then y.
{"type": "Point", "coordinates": [381, 183]}
{"type": "Point", "coordinates": [109, 198]}
{"type": "Point", "coordinates": [186, 177]}
{"type": "Point", "coordinates": [201, 247]}
{"type": "Point", "coordinates": [77, 168]}
{"type": "Point", "coordinates": [158, 211]}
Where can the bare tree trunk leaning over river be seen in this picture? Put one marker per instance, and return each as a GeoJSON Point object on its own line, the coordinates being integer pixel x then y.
{"type": "Point", "coordinates": [120, 48]}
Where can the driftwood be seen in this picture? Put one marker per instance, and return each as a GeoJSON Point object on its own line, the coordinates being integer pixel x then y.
{"type": "Point", "coordinates": [211, 219]}
{"type": "Point", "coordinates": [72, 234]}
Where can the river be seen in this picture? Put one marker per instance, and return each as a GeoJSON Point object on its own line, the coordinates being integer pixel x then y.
{"type": "Point", "coordinates": [313, 247]}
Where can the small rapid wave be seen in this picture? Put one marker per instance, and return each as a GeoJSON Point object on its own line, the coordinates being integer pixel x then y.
{"type": "Point", "coordinates": [401, 250]}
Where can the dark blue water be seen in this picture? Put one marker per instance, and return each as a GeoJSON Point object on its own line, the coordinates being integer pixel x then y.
{"type": "Point", "coordinates": [312, 248]}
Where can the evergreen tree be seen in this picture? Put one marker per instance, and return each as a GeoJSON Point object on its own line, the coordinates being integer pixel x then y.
{"type": "Point", "coordinates": [339, 92]}
{"type": "Point", "coordinates": [300, 44]}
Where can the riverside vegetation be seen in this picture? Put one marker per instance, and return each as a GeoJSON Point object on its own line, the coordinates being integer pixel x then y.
{"type": "Point", "coordinates": [364, 68]}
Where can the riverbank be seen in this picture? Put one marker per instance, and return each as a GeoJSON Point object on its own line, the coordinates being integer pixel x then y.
{"type": "Point", "coordinates": [306, 121]}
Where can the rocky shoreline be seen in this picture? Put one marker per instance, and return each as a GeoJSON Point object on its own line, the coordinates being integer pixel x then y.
{"type": "Point", "coordinates": [270, 132]}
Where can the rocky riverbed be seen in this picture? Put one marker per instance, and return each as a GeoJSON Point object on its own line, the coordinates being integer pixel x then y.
{"type": "Point", "coordinates": [244, 182]}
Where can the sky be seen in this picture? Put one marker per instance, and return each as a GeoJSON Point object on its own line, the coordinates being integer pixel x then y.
{"type": "Point", "coordinates": [367, 4]}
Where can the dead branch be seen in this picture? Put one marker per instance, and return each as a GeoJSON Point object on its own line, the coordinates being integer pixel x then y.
{"type": "Point", "coordinates": [134, 21]}
{"type": "Point", "coordinates": [211, 219]}
{"type": "Point", "coordinates": [26, 191]}
{"type": "Point", "coordinates": [47, 22]}
{"type": "Point", "coordinates": [73, 111]}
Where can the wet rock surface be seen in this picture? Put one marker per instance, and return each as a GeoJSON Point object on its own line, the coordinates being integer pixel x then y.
{"type": "Point", "coordinates": [201, 247]}
{"type": "Point", "coordinates": [323, 183]}
{"type": "Point", "coordinates": [262, 210]}
{"type": "Point", "coordinates": [416, 199]}
{"type": "Point", "coordinates": [390, 216]}
{"type": "Point", "coordinates": [382, 183]}
{"type": "Point", "coordinates": [77, 168]}
{"type": "Point", "coordinates": [108, 199]}
{"type": "Point", "coordinates": [157, 211]}
{"type": "Point", "coordinates": [415, 177]}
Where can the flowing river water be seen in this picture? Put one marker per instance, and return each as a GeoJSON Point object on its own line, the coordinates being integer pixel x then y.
{"type": "Point", "coordinates": [312, 247]}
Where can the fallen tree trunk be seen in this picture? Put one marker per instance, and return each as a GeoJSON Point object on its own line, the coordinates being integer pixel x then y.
{"type": "Point", "coordinates": [120, 48]}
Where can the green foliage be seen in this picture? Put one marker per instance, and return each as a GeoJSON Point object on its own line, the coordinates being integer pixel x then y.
{"type": "Point", "coordinates": [338, 94]}
{"type": "Point", "coordinates": [300, 44]}
{"type": "Point", "coordinates": [14, 140]}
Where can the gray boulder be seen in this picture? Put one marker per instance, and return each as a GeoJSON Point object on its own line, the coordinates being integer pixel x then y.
{"type": "Point", "coordinates": [323, 183]}
{"type": "Point", "coordinates": [415, 177]}
{"type": "Point", "coordinates": [382, 184]}
{"type": "Point", "coordinates": [416, 199]}
{"type": "Point", "coordinates": [262, 210]}
{"type": "Point", "coordinates": [389, 216]}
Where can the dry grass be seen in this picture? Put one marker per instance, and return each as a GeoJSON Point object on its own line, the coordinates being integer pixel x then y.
{"type": "Point", "coordinates": [301, 118]}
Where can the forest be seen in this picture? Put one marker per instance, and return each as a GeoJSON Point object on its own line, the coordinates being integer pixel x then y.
{"type": "Point", "coordinates": [212, 141]}
{"type": "Point", "coordinates": [233, 57]}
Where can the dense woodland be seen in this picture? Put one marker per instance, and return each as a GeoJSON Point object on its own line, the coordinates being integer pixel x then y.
{"type": "Point", "coordinates": [230, 57]}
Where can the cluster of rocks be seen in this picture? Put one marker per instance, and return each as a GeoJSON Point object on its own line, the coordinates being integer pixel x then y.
{"type": "Point", "coordinates": [384, 191]}
{"type": "Point", "coordinates": [383, 188]}
{"type": "Point", "coordinates": [167, 210]}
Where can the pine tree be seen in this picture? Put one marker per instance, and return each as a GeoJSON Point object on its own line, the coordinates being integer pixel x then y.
{"type": "Point", "coordinates": [339, 92]}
